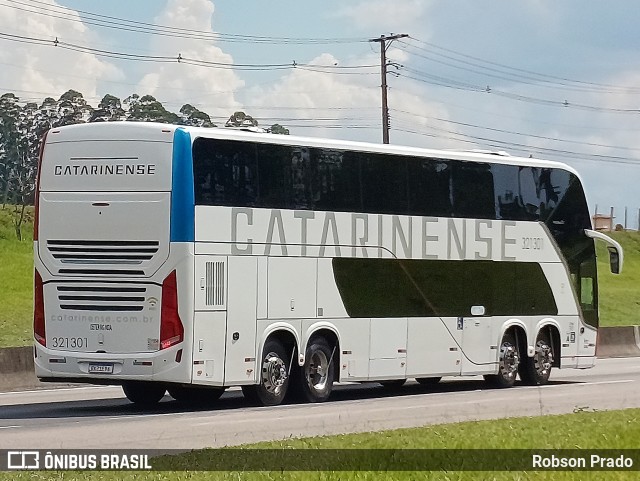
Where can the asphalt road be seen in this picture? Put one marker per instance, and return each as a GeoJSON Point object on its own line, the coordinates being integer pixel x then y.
{"type": "Point", "coordinates": [101, 418]}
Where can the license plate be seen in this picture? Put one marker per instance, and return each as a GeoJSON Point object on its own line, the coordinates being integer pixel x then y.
{"type": "Point", "coordinates": [102, 368]}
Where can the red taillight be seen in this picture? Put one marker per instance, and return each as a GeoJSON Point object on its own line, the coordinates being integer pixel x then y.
{"type": "Point", "coordinates": [36, 200]}
{"type": "Point", "coordinates": [38, 310]}
{"type": "Point", "coordinates": [171, 328]}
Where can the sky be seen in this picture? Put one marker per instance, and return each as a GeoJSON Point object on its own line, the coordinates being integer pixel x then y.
{"type": "Point", "coordinates": [552, 80]}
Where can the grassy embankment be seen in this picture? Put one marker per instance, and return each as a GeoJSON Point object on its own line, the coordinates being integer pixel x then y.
{"type": "Point", "coordinates": [16, 281]}
{"type": "Point", "coordinates": [613, 430]}
{"type": "Point", "coordinates": [619, 295]}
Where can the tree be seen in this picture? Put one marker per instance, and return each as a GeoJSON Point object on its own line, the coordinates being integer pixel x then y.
{"type": "Point", "coordinates": [194, 117]}
{"type": "Point", "coordinates": [73, 109]}
{"type": "Point", "coordinates": [278, 129]}
{"type": "Point", "coordinates": [148, 109]}
{"type": "Point", "coordinates": [109, 110]}
{"type": "Point", "coordinates": [9, 138]}
{"type": "Point", "coordinates": [240, 119]}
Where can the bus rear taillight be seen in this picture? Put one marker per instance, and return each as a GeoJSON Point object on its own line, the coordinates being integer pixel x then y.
{"type": "Point", "coordinates": [38, 310]}
{"type": "Point", "coordinates": [171, 328]}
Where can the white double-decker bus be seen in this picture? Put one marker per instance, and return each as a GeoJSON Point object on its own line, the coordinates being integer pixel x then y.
{"type": "Point", "coordinates": [189, 260]}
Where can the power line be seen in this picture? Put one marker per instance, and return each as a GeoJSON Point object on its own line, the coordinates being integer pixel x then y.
{"type": "Point", "coordinates": [494, 143]}
{"type": "Point", "coordinates": [106, 21]}
{"type": "Point", "coordinates": [528, 74]}
{"type": "Point", "coordinates": [453, 84]}
{"type": "Point", "coordinates": [511, 132]}
{"type": "Point", "coordinates": [179, 58]}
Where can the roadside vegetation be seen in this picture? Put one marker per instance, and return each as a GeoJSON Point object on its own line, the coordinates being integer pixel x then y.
{"type": "Point", "coordinates": [619, 295]}
{"type": "Point", "coordinates": [16, 272]}
{"type": "Point", "coordinates": [584, 430]}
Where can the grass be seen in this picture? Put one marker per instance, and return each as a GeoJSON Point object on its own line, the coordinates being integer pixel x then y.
{"type": "Point", "coordinates": [619, 295]}
{"type": "Point", "coordinates": [16, 272]}
{"type": "Point", "coordinates": [612, 430]}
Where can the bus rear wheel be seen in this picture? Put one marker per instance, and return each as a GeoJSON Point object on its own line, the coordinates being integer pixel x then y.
{"type": "Point", "coordinates": [317, 373]}
{"type": "Point", "coordinates": [535, 371]}
{"type": "Point", "coordinates": [144, 394]}
{"type": "Point", "coordinates": [508, 363]}
{"type": "Point", "coordinates": [274, 376]}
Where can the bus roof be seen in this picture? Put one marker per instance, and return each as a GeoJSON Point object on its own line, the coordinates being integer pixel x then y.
{"type": "Point", "coordinates": [151, 131]}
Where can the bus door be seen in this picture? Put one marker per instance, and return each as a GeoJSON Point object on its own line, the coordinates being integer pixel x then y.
{"type": "Point", "coordinates": [477, 341]}
{"type": "Point", "coordinates": [587, 290]}
{"type": "Point", "coordinates": [240, 340]}
{"type": "Point", "coordinates": [210, 319]}
{"type": "Point", "coordinates": [388, 351]}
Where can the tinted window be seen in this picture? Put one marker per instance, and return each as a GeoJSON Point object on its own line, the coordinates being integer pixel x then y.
{"type": "Point", "coordinates": [275, 175]}
{"type": "Point", "coordinates": [296, 177]}
{"type": "Point", "coordinates": [225, 173]}
{"type": "Point", "coordinates": [426, 288]}
{"type": "Point", "coordinates": [384, 183]}
{"type": "Point", "coordinates": [472, 193]}
{"type": "Point", "coordinates": [429, 187]}
{"type": "Point", "coordinates": [336, 181]}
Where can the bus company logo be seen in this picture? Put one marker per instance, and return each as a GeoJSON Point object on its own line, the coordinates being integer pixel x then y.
{"type": "Point", "coordinates": [153, 302]}
{"type": "Point", "coordinates": [23, 460]}
{"type": "Point", "coordinates": [104, 169]}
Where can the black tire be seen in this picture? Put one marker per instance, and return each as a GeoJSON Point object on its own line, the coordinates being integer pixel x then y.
{"type": "Point", "coordinates": [314, 380]}
{"type": "Point", "coordinates": [428, 381]}
{"type": "Point", "coordinates": [274, 375]}
{"type": "Point", "coordinates": [250, 393]}
{"type": "Point", "coordinates": [535, 371]}
{"type": "Point", "coordinates": [392, 384]}
{"type": "Point", "coordinates": [508, 363]}
{"type": "Point", "coordinates": [144, 394]}
{"type": "Point", "coordinates": [195, 396]}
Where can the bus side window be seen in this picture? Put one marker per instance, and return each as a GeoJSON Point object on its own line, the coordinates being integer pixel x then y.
{"type": "Point", "coordinates": [473, 190]}
{"type": "Point", "coordinates": [587, 292]}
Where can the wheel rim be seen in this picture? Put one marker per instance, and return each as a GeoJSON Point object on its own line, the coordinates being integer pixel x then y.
{"type": "Point", "coordinates": [509, 360]}
{"type": "Point", "coordinates": [543, 358]}
{"type": "Point", "coordinates": [274, 373]}
{"type": "Point", "coordinates": [317, 371]}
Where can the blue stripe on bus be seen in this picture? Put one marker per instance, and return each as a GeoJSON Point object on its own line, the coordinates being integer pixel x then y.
{"type": "Point", "coordinates": [182, 196]}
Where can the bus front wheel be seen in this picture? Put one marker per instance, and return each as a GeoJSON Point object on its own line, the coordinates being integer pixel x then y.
{"type": "Point", "coordinates": [508, 363]}
{"type": "Point", "coordinates": [535, 371]}
{"type": "Point", "coordinates": [274, 376]}
{"type": "Point", "coordinates": [144, 394]}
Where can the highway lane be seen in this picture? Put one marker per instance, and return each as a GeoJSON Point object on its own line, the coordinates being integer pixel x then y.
{"type": "Point", "coordinates": [101, 418]}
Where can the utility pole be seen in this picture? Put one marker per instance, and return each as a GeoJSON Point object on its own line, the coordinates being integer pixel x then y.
{"type": "Point", "coordinates": [385, 42]}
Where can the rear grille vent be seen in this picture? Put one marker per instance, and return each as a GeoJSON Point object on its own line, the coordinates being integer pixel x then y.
{"type": "Point", "coordinates": [102, 252]}
{"type": "Point", "coordinates": [103, 257]}
{"type": "Point", "coordinates": [103, 299]}
{"type": "Point", "coordinates": [215, 284]}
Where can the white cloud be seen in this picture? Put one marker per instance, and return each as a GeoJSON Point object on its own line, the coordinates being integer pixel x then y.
{"type": "Point", "coordinates": [385, 15]}
{"type": "Point", "coordinates": [313, 102]}
{"type": "Point", "coordinates": [33, 72]}
{"type": "Point", "coordinates": [209, 89]}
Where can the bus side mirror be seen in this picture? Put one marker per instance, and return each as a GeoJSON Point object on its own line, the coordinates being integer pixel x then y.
{"type": "Point", "coordinates": [616, 255]}
{"type": "Point", "coordinates": [614, 260]}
